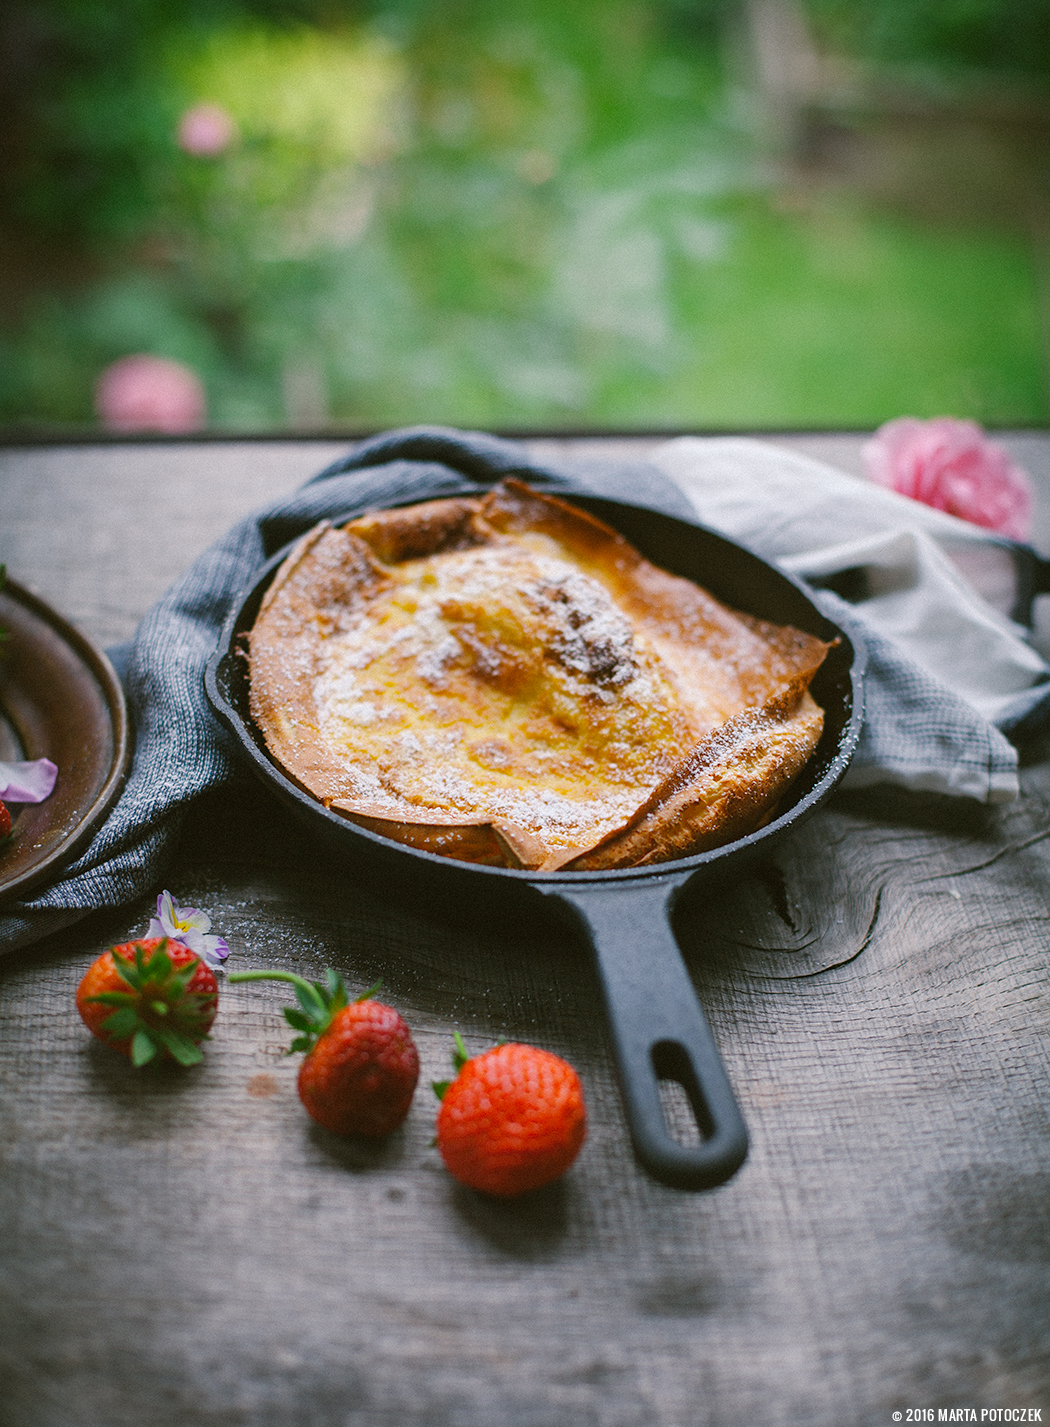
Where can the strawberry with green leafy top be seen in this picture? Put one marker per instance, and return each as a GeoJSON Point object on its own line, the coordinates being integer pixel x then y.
{"type": "Point", "coordinates": [361, 1064]}
{"type": "Point", "coordinates": [149, 998]}
{"type": "Point", "coordinates": [512, 1120]}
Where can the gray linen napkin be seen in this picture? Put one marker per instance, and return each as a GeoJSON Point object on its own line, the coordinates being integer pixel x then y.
{"type": "Point", "coordinates": [949, 674]}
{"type": "Point", "coordinates": [182, 753]}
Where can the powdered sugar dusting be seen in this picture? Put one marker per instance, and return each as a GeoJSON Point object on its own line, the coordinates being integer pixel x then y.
{"type": "Point", "coordinates": [498, 681]}
{"type": "Point", "coordinates": [590, 635]}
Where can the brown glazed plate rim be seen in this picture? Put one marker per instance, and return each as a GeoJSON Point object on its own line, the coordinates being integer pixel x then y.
{"type": "Point", "coordinates": [60, 698]}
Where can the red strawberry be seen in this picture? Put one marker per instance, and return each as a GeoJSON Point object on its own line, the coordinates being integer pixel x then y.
{"type": "Point", "coordinates": [5, 820]}
{"type": "Point", "coordinates": [512, 1120]}
{"type": "Point", "coordinates": [361, 1066]}
{"type": "Point", "coordinates": [150, 997]}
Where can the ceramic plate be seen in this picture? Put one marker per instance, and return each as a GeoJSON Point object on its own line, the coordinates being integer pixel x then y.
{"type": "Point", "coordinates": [59, 699]}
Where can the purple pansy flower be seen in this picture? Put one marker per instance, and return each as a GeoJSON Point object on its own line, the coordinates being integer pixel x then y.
{"type": "Point", "coordinates": [189, 926]}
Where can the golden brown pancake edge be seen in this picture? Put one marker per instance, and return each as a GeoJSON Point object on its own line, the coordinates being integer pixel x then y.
{"type": "Point", "coordinates": [734, 723]}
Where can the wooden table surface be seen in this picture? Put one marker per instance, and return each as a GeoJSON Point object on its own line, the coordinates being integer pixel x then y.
{"type": "Point", "coordinates": [185, 1249]}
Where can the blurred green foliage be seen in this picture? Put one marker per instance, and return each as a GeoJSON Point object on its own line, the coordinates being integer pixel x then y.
{"type": "Point", "coordinates": [478, 212]}
{"type": "Point", "coordinates": [950, 36]}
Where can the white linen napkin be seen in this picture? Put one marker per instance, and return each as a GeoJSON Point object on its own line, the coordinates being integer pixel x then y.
{"type": "Point", "coordinates": [947, 669]}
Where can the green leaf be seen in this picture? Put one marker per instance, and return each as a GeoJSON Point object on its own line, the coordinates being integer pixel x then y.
{"type": "Point", "coordinates": [298, 1020]}
{"type": "Point", "coordinates": [310, 998]}
{"type": "Point", "coordinates": [113, 998]}
{"type": "Point", "coordinates": [334, 982]}
{"type": "Point", "coordinates": [121, 1024]}
{"type": "Point", "coordinates": [143, 1048]}
{"type": "Point", "coordinates": [179, 1047]}
{"type": "Point", "coordinates": [126, 971]}
{"type": "Point", "coordinates": [439, 1087]}
{"type": "Point", "coordinates": [181, 977]}
{"type": "Point", "coordinates": [459, 1055]}
{"type": "Point", "coordinates": [159, 966]}
{"type": "Point", "coordinates": [300, 1043]}
{"type": "Point", "coordinates": [367, 995]}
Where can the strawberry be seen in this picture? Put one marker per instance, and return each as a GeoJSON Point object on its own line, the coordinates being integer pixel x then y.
{"type": "Point", "coordinates": [512, 1120]}
{"type": "Point", "coordinates": [5, 820]}
{"type": "Point", "coordinates": [361, 1064]}
{"type": "Point", "coordinates": [149, 997]}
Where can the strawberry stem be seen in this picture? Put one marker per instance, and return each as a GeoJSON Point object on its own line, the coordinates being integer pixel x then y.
{"type": "Point", "coordinates": [299, 982]}
{"type": "Point", "coordinates": [318, 1002]}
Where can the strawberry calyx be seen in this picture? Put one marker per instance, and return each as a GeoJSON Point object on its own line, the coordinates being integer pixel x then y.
{"type": "Point", "coordinates": [319, 1002]}
{"type": "Point", "coordinates": [459, 1060]}
{"type": "Point", "coordinates": [157, 1012]}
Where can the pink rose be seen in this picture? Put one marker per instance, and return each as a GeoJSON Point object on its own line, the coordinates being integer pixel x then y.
{"type": "Point", "coordinates": [144, 393]}
{"type": "Point", "coordinates": [952, 466]}
{"type": "Point", "coordinates": [205, 130]}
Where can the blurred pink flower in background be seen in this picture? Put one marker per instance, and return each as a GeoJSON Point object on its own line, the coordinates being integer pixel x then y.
{"type": "Point", "coordinates": [144, 393]}
{"type": "Point", "coordinates": [952, 466]}
{"type": "Point", "coordinates": [205, 130]}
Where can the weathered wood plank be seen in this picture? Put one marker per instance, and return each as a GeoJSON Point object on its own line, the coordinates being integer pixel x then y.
{"type": "Point", "coordinates": [188, 1249]}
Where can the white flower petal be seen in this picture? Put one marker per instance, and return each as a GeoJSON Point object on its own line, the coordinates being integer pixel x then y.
{"type": "Point", "coordinates": [27, 782]}
{"type": "Point", "coordinates": [214, 952]}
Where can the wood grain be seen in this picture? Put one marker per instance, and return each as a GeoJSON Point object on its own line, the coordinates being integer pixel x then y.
{"type": "Point", "coordinates": [187, 1250]}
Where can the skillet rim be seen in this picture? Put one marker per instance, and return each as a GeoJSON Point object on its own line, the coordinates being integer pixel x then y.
{"type": "Point", "coordinates": [242, 727]}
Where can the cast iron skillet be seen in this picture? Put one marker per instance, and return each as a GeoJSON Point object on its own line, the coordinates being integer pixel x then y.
{"type": "Point", "coordinates": [658, 1028]}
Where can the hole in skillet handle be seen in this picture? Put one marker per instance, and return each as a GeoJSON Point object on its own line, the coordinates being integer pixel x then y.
{"type": "Point", "coordinates": [686, 1114]}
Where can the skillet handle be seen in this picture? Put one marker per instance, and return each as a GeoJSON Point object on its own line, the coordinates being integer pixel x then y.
{"type": "Point", "coordinates": [659, 1032]}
